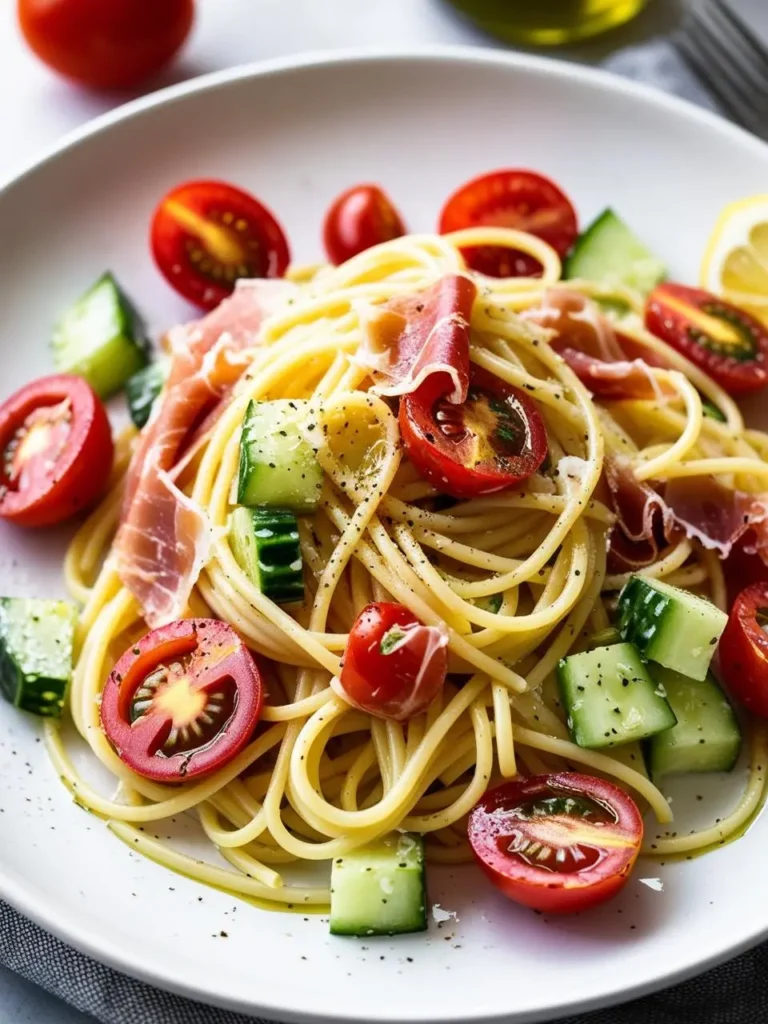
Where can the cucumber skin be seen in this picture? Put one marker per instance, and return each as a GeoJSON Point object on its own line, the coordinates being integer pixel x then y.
{"type": "Point", "coordinates": [28, 683]}
{"type": "Point", "coordinates": [278, 577]}
{"type": "Point", "coordinates": [129, 330]}
{"type": "Point", "coordinates": [142, 390]}
{"type": "Point", "coordinates": [357, 878]}
{"type": "Point", "coordinates": [691, 699]}
{"type": "Point", "coordinates": [645, 609]}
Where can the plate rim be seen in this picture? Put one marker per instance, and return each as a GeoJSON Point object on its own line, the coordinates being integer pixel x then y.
{"type": "Point", "coordinates": [107, 950]}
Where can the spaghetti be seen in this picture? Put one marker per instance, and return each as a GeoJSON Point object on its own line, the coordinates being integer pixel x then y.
{"type": "Point", "coordinates": [321, 778]}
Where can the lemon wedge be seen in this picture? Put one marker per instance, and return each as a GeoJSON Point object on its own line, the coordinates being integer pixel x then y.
{"type": "Point", "coordinates": [735, 264]}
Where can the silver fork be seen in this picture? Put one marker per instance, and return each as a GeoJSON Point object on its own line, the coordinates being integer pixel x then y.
{"type": "Point", "coordinates": [731, 60]}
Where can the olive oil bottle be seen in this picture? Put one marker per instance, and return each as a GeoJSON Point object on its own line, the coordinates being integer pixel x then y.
{"type": "Point", "coordinates": [548, 22]}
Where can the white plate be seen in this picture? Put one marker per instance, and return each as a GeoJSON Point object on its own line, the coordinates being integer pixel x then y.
{"type": "Point", "coordinates": [296, 133]}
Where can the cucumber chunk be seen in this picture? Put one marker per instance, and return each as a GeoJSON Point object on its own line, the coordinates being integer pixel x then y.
{"type": "Point", "coordinates": [610, 253]}
{"type": "Point", "coordinates": [611, 698]}
{"type": "Point", "coordinates": [101, 338]}
{"type": "Point", "coordinates": [673, 627]}
{"type": "Point", "coordinates": [278, 466]}
{"type": "Point", "coordinates": [380, 889]}
{"type": "Point", "coordinates": [36, 644]}
{"type": "Point", "coordinates": [706, 738]}
{"type": "Point", "coordinates": [265, 543]}
{"type": "Point", "coordinates": [142, 389]}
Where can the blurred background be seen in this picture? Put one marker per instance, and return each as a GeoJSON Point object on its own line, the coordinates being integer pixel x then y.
{"type": "Point", "coordinates": [37, 106]}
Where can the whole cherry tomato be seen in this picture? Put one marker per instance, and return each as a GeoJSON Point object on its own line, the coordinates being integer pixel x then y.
{"type": "Point", "coordinates": [106, 44]}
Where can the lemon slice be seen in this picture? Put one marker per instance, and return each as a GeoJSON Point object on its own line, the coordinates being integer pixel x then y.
{"type": "Point", "coordinates": [735, 264]}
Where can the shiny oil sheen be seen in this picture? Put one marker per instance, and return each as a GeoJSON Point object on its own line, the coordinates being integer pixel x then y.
{"type": "Point", "coordinates": [548, 22]}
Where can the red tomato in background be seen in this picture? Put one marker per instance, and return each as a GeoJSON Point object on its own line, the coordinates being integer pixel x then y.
{"type": "Point", "coordinates": [511, 199]}
{"type": "Point", "coordinates": [183, 701]}
{"type": "Point", "coordinates": [726, 342]}
{"type": "Point", "coordinates": [557, 843]}
{"type": "Point", "coordinates": [359, 218]}
{"type": "Point", "coordinates": [393, 666]}
{"type": "Point", "coordinates": [743, 649]}
{"type": "Point", "coordinates": [207, 234]}
{"type": "Point", "coordinates": [492, 441]}
{"type": "Point", "coordinates": [56, 449]}
{"type": "Point", "coordinates": [106, 44]}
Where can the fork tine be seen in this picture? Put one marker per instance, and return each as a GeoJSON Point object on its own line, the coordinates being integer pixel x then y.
{"type": "Point", "coordinates": [725, 26]}
{"type": "Point", "coordinates": [728, 16]}
{"type": "Point", "coordinates": [753, 93]}
{"type": "Point", "coordinates": [732, 100]}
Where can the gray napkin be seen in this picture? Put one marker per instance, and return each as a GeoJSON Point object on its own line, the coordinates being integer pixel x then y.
{"type": "Point", "coordinates": [735, 993]}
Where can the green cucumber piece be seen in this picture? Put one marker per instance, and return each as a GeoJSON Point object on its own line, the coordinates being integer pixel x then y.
{"type": "Point", "coordinates": [707, 737]}
{"type": "Point", "coordinates": [673, 627]}
{"type": "Point", "coordinates": [711, 410]}
{"type": "Point", "coordinates": [278, 466]}
{"type": "Point", "coordinates": [265, 543]}
{"type": "Point", "coordinates": [610, 697]}
{"type": "Point", "coordinates": [101, 337]}
{"type": "Point", "coordinates": [36, 649]}
{"type": "Point", "coordinates": [380, 889]}
{"type": "Point", "coordinates": [491, 604]}
{"type": "Point", "coordinates": [142, 389]}
{"type": "Point", "coordinates": [610, 253]}
{"type": "Point", "coordinates": [606, 637]}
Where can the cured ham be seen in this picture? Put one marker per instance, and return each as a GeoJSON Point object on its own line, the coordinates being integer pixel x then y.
{"type": "Point", "coordinates": [414, 338]}
{"type": "Point", "coordinates": [644, 524]}
{"type": "Point", "coordinates": [701, 508]}
{"type": "Point", "coordinates": [620, 380]}
{"type": "Point", "coordinates": [609, 365]}
{"type": "Point", "coordinates": [164, 538]}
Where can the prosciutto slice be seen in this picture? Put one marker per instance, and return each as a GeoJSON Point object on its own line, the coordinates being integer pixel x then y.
{"type": "Point", "coordinates": [164, 538]}
{"type": "Point", "coordinates": [602, 360]}
{"type": "Point", "coordinates": [414, 338]}
{"type": "Point", "coordinates": [644, 523]}
{"type": "Point", "coordinates": [700, 507]}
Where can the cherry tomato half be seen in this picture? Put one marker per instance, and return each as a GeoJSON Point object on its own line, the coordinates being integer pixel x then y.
{"type": "Point", "coordinates": [207, 234]}
{"type": "Point", "coordinates": [491, 442]}
{"type": "Point", "coordinates": [57, 450]}
{"type": "Point", "coordinates": [742, 568]}
{"type": "Point", "coordinates": [722, 340]}
{"type": "Point", "coordinates": [743, 649]}
{"type": "Point", "coordinates": [108, 44]}
{"type": "Point", "coordinates": [183, 701]}
{"type": "Point", "coordinates": [557, 843]}
{"type": "Point", "coordinates": [511, 199]}
{"type": "Point", "coordinates": [359, 218]}
{"type": "Point", "coordinates": [393, 666]}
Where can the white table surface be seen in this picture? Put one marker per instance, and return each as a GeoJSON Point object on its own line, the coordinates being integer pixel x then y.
{"type": "Point", "coordinates": [37, 109]}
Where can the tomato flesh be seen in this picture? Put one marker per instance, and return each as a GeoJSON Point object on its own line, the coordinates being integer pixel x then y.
{"type": "Point", "coordinates": [492, 441]}
{"type": "Point", "coordinates": [511, 199]}
{"type": "Point", "coordinates": [57, 451]}
{"type": "Point", "coordinates": [726, 342]}
{"type": "Point", "coordinates": [393, 666]}
{"type": "Point", "coordinates": [183, 701]}
{"type": "Point", "coordinates": [207, 234]}
{"type": "Point", "coordinates": [359, 218]}
{"type": "Point", "coordinates": [107, 45]}
{"type": "Point", "coordinates": [743, 649]}
{"type": "Point", "coordinates": [557, 843]}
